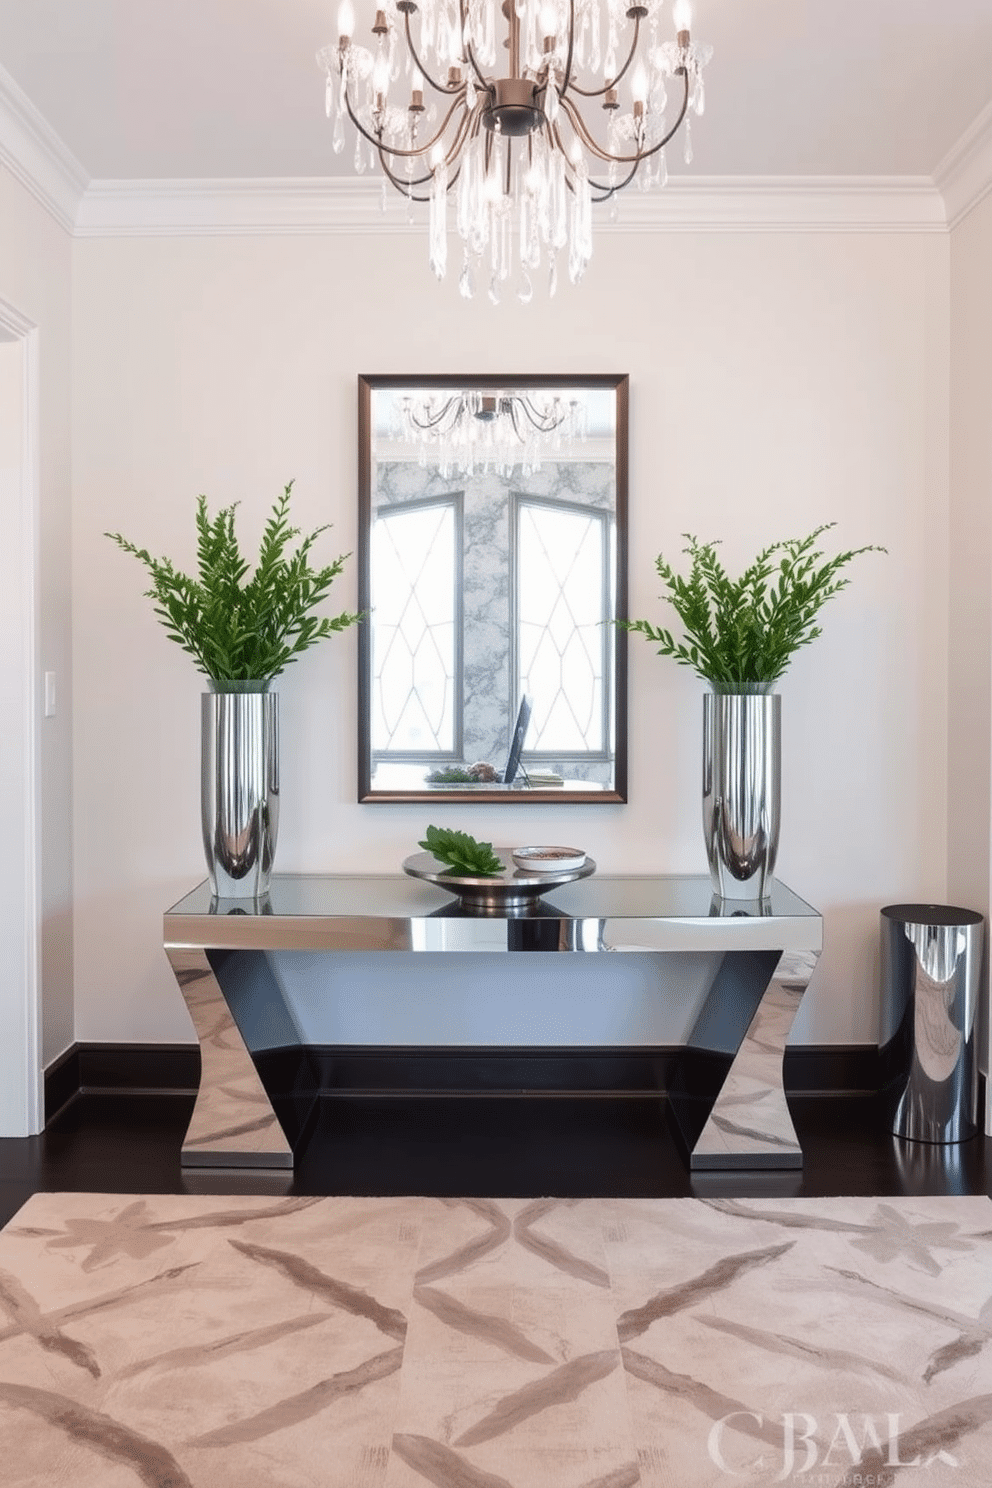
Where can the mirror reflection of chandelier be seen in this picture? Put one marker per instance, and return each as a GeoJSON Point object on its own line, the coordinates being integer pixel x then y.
{"type": "Point", "coordinates": [496, 115]}
{"type": "Point", "coordinates": [470, 433]}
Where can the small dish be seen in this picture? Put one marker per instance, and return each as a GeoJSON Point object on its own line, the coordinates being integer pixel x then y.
{"type": "Point", "coordinates": [548, 859]}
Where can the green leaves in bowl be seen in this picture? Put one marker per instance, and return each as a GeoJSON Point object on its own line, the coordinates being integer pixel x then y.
{"type": "Point", "coordinates": [462, 852]}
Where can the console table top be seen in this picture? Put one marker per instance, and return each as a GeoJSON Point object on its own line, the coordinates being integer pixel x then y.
{"type": "Point", "coordinates": [395, 911]}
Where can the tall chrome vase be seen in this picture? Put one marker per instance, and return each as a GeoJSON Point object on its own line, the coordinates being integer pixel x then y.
{"type": "Point", "coordinates": [742, 753]}
{"type": "Point", "coordinates": [239, 780]}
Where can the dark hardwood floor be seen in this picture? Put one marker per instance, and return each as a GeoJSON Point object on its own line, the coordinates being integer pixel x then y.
{"type": "Point", "coordinates": [491, 1146]}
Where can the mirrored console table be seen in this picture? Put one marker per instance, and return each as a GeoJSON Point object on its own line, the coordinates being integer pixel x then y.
{"type": "Point", "coordinates": [725, 1097]}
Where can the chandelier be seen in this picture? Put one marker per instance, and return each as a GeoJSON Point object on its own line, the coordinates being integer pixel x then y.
{"type": "Point", "coordinates": [493, 129]}
{"type": "Point", "coordinates": [473, 432]}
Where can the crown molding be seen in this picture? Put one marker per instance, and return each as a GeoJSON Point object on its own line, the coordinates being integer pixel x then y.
{"type": "Point", "coordinates": [161, 208]}
{"type": "Point", "coordinates": [228, 206]}
{"type": "Point", "coordinates": [964, 176]}
{"type": "Point", "coordinates": [784, 204]}
{"type": "Point", "coordinates": [36, 157]}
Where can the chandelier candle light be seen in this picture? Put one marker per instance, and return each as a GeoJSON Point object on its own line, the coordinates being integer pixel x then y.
{"type": "Point", "coordinates": [517, 155]}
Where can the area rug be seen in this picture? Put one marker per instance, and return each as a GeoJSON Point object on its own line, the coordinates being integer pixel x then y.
{"type": "Point", "coordinates": [194, 1342]}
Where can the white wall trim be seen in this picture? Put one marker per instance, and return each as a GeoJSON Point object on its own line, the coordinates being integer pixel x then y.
{"type": "Point", "coordinates": [354, 205]}
{"type": "Point", "coordinates": [964, 176]}
{"type": "Point", "coordinates": [35, 155]}
{"type": "Point", "coordinates": [23, 968]}
{"type": "Point", "coordinates": [30, 559]}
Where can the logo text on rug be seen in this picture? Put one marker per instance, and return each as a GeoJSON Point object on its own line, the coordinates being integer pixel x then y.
{"type": "Point", "coordinates": [865, 1449]}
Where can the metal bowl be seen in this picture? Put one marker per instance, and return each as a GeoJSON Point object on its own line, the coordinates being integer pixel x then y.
{"type": "Point", "coordinates": [514, 890]}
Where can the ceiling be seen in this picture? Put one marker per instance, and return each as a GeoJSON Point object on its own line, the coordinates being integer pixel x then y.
{"type": "Point", "coordinates": [145, 89]}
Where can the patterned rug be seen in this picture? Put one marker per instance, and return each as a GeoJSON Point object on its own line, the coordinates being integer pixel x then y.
{"type": "Point", "coordinates": [193, 1342]}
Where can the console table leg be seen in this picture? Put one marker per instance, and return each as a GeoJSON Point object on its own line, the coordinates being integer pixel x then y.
{"type": "Point", "coordinates": [233, 1123]}
{"type": "Point", "coordinates": [750, 1125]}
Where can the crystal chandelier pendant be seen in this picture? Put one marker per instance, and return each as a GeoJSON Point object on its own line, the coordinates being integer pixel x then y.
{"type": "Point", "coordinates": [523, 115]}
{"type": "Point", "coordinates": [471, 433]}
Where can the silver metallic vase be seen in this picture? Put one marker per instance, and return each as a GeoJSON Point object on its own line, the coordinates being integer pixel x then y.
{"type": "Point", "coordinates": [742, 750]}
{"type": "Point", "coordinates": [239, 782]}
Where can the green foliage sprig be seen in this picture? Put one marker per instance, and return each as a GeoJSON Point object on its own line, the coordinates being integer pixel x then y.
{"type": "Point", "coordinates": [462, 852]}
{"type": "Point", "coordinates": [239, 631]}
{"type": "Point", "coordinates": [741, 634]}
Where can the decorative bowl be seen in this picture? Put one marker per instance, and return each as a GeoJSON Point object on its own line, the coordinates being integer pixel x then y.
{"type": "Point", "coordinates": [512, 891]}
{"type": "Point", "coordinates": [548, 859]}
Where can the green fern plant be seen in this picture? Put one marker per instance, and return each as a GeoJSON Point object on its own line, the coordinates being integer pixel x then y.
{"type": "Point", "coordinates": [741, 634]}
{"type": "Point", "coordinates": [239, 629]}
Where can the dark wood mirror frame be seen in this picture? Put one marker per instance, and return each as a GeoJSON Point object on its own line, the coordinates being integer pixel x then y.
{"type": "Point", "coordinates": [571, 792]}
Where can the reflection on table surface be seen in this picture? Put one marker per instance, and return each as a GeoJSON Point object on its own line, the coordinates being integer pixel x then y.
{"type": "Point", "coordinates": [648, 897]}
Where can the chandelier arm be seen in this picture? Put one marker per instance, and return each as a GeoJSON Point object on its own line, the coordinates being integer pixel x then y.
{"type": "Point", "coordinates": [429, 422]}
{"type": "Point", "coordinates": [396, 150]}
{"type": "Point", "coordinates": [544, 423]}
{"type": "Point", "coordinates": [601, 186]}
{"type": "Point", "coordinates": [578, 124]}
{"type": "Point", "coordinates": [404, 187]}
{"type": "Point", "coordinates": [599, 92]}
{"type": "Point", "coordinates": [438, 87]}
{"type": "Point", "coordinates": [454, 411]}
{"type": "Point", "coordinates": [609, 191]}
{"type": "Point", "coordinates": [373, 139]}
{"type": "Point", "coordinates": [458, 142]}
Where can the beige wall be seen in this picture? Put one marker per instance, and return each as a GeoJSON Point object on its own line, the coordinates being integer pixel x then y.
{"type": "Point", "coordinates": [35, 278]}
{"type": "Point", "coordinates": [969, 719]}
{"type": "Point", "coordinates": [777, 381]}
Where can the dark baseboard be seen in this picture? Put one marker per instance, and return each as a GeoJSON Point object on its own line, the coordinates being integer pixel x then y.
{"type": "Point", "coordinates": [835, 1069]}
{"type": "Point", "coordinates": [119, 1069]}
{"type": "Point", "coordinates": [489, 1071]}
{"type": "Point", "coordinates": [61, 1082]}
{"type": "Point", "coordinates": [174, 1069]}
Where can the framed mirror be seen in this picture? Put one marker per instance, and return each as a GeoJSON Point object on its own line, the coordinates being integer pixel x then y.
{"type": "Point", "coordinates": [492, 561]}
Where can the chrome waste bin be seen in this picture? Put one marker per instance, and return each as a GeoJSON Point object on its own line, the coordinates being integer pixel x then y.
{"type": "Point", "coordinates": [931, 965]}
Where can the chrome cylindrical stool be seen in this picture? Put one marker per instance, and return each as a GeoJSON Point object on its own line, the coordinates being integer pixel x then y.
{"type": "Point", "coordinates": [931, 961]}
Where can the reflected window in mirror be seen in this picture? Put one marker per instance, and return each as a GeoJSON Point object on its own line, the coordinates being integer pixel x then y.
{"type": "Point", "coordinates": [416, 598]}
{"type": "Point", "coordinates": [488, 581]}
{"type": "Point", "coordinates": [563, 641]}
